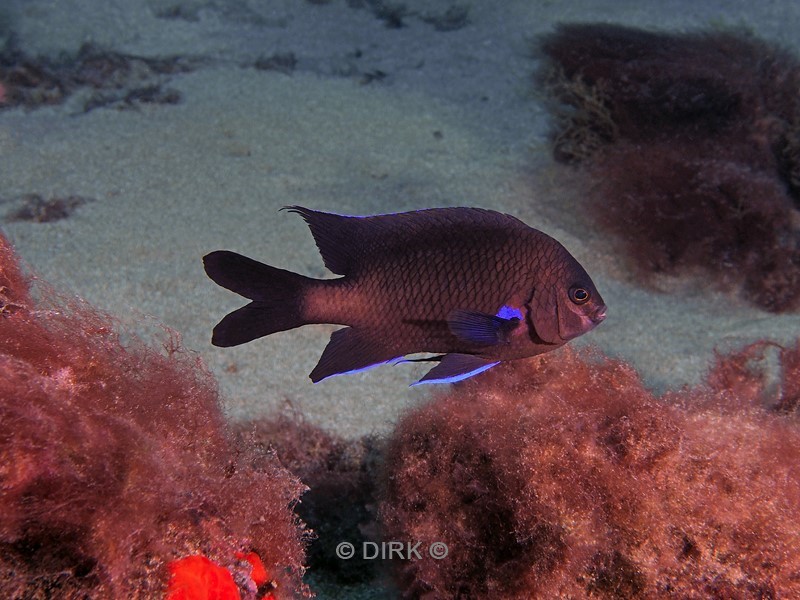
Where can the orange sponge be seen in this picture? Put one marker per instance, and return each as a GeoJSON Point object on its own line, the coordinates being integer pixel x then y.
{"type": "Point", "coordinates": [197, 578]}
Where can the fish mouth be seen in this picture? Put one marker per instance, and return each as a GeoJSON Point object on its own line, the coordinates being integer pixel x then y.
{"type": "Point", "coordinates": [598, 316]}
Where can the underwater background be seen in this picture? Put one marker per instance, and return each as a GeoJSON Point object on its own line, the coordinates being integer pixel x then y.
{"type": "Point", "coordinates": [137, 136]}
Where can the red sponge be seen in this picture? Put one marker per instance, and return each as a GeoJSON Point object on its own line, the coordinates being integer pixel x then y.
{"type": "Point", "coordinates": [197, 578]}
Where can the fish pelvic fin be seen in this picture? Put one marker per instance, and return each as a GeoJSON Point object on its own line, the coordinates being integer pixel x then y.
{"type": "Point", "coordinates": [351, 350]}
{"type": "Point", "coordinates": [457, 367]}
{"type": "Point", "coordinates": [276, 297]}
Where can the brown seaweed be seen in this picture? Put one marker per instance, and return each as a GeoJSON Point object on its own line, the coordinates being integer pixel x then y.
{"type": "Point", "coordinates": [563, 476]}
{"type": "Point", "coordinates": [115, 459]}
{"type": "Point", "coordinates": [691, 140]}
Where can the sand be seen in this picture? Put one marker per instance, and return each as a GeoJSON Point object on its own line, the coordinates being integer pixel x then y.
{"type": "Point", "coordinates": [371, 119]}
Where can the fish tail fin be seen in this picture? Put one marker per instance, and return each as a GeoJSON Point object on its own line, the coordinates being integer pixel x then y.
{"type": "Point", "coordinates": [276, 297]}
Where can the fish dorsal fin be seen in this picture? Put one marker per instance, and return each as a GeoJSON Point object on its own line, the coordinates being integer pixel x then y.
{"type": "Point", "coordinates": [344, 241]}
{"type": "Point", "coordinates": [333, 234]}
{"type": "Point", "coordinates": [457, 367]}
{"type": "Point", "coordinates": [482, 329]}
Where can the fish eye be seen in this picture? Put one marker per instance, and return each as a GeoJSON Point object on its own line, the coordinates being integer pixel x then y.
{"type": "Point", "coordinates": [579, 295]}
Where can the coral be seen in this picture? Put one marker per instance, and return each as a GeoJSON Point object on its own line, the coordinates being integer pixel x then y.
{"type": "Point", "coordinates": [115, 460]}
{"type": "Point", "coordinates": [691, 141]}
{"type": "Point", "coordinates": [563, 477]}
{"type": "Point", "coordinates": [341, 477]}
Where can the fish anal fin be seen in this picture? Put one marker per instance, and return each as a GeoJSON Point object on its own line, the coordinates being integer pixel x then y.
{"type": "Point", "coordinates": [351, 350]}
{"type": "Point", "coordinates": [457, 367]}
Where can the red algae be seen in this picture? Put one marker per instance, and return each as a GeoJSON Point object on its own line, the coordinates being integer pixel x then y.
{"type": "Point", "coordinates": [341, 475]}
{"type": "Point", "coordinates": [679, 213]}
{"type": "Point", "coordinates": [789, 400]}
{"type": "Point", "coordinates": [115, 460]}
{"type": "Point", "coordinates": [564, 477]}
{"type": "Point", "coordinates": [691, 141]}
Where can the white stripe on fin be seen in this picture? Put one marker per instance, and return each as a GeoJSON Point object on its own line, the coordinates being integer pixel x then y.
{"type": "Point", "coordinates": [456, 367]}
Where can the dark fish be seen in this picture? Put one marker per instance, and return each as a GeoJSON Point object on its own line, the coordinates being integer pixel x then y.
{"type": "Point", "coordinates": [474, 286]}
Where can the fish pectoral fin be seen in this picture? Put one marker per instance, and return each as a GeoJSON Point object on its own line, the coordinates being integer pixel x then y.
{"type": "Point", "coordinates": [349, 351]}
{"type": "Point", "coordinates": [480, 328]}
{"type": "Point", "coordinates": [457, 367]}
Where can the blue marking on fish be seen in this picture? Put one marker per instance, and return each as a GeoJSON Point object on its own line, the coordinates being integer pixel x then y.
{"type": "Point", "coordinates": [458, 373]}
{"type": "Point", "coordinates": [510, 312]}
{"type": "Point", "coordinates": [391, 361]}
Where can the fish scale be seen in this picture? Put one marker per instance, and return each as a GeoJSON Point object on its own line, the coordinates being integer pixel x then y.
{"type": "Point", "coordinates": [472, 285]}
